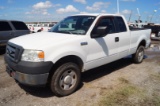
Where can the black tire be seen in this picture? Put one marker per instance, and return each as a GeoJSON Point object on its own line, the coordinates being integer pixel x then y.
{"type": "Point", "coordinates": [158, 34]}
{"type": "Point", "coordinates": [139, 55]}
{"type": "Point", "coordinates": [2, 50]}
{"type": "Point", "coordinates": [39, 30]}
{"type": "Point", "coordinates": [65, 79]}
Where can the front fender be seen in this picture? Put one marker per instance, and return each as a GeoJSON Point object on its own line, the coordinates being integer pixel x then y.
{"type": "Point", "coordinates": [56, 54]}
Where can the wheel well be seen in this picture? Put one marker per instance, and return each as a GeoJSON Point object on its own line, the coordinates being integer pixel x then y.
{"type": "Point", "coordinates": [71, 58]}
{"type": "Point", "coordinates": [142, 43]}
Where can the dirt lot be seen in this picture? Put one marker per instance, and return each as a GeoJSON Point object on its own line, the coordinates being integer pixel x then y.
{"type": "Point", "coordinates": [121, 83]}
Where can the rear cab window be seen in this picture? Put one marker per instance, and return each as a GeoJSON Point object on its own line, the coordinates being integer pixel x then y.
{"type": "Point", "coordinates": [107, 22]}
{"type": "Point", "coordinates": [121, 26]}
{"type": "Point", "coordinates": [19, 25]}
{"type": "Point", "coordinates": [4, 26]}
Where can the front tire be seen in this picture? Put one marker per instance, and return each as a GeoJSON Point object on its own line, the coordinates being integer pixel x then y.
{"type": "Point", "coordinates": [139, 55]}
{"type": "Point", "coordinates": [66, 79]}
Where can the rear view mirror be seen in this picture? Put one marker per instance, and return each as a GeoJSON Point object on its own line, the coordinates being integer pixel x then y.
{"type": "Point", "coordinates": [100, 31]}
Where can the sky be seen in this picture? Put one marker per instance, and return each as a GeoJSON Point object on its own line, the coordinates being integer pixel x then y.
{"type": "Point", "coordinates": [56, 10]}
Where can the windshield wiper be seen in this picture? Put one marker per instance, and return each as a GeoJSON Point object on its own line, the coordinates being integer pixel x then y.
{"type": "Point", "coordinates": [69, 32]}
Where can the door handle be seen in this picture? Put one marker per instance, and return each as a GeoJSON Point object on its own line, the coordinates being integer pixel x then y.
{"type": "Point", "coordinates": [116, 39]}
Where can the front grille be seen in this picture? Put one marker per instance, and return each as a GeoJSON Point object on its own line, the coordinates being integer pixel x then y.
{"type": "Point", "coordinates": [14, 52]}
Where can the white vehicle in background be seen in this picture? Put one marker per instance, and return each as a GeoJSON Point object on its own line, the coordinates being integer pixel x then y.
{"type": "Point", "coordinates": [46, 27]}
{"type": "Point", "coordinates": [30, 27]}
{"type": "Point", "coordinates": [37, 28]}
{"type": "Point", "coordinates": [40, 27]}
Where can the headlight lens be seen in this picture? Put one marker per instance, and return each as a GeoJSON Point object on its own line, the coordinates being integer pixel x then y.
{"type": "Point", "coordinates": [33, 55]}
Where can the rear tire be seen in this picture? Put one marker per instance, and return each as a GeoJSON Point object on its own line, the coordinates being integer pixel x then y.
{"type": "Point", "coordinates": [66, 79]}
{"type": "Point", "coordinates": [139, 55]}
{"type": "Point", "coordinates": [158, 34]}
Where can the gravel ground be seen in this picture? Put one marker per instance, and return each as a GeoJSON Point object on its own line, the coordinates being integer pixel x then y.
{"type": "Point", "coordinates": [95, 83]}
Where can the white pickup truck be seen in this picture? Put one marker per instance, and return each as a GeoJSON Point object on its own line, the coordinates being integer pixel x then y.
{"type": "Point", "coordinates": [60, 56]}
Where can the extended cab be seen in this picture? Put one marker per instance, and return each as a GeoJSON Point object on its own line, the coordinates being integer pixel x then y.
{"type": "Point", "coordinates": [60, 56]}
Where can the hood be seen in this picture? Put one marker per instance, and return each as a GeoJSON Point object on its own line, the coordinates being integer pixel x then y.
{"type": "Point", "coordinates": [36, 40]}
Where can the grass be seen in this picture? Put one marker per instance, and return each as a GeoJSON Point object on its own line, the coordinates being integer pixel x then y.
{"type": "Point", "coordinates": [151, 101]}
{"type": "Point", "coordinates": [156, 76]}
{"type": "Point", "coordinates": [120, 95]}
{"type": "Point", "coordinates": [130, 95]}
{"type": "Point", "coordinates": [123, 80]}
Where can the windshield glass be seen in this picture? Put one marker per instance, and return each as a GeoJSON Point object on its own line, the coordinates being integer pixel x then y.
{"type": "Point", "coordinates": [74, 25]}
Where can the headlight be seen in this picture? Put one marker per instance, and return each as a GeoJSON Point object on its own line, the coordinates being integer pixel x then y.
{"type": "Point", "coordinates": [33, 55]}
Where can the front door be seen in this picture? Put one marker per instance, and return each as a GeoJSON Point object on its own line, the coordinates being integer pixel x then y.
{"type": "Point", "coordinates": [103, 50]}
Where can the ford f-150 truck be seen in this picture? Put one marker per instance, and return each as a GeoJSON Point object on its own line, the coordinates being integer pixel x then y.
{"type": "Point", "coordinates": [58, 57]}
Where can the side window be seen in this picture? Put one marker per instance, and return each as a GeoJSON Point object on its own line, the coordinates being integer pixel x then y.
{"type": "Point", "coordinates": [4, 26]}
{"type": "Point", "coordinates": [120, 24]}
{"type": "Point", "coordinates": [19, 25]}
{"type": "Point", "coordinates": [107, 22]}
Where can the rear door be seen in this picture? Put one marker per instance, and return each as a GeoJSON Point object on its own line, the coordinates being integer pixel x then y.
{"type": "Point", "coordinates": [123, 36]}
{"type": "Point", "coordinates": [6, 32]}
{"type": "Point", "coordinates": [20, 28]}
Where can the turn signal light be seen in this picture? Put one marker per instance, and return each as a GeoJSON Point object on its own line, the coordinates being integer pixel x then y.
{"type": "Point", "coordinates": [41, 55]}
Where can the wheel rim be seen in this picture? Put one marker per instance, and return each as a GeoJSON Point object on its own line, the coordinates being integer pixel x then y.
{"type": "Point", "coordinates": [140, 55]}
{"type": "Point", "coordinates": [68, 80]}
{"type": "Point", "coordinates": [158, 34]}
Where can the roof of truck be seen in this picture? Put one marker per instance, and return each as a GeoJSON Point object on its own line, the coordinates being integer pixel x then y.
{"type": "Point", "coordinates": [9, 20]}
{"type": "Point", "coordinates": [98, 14]}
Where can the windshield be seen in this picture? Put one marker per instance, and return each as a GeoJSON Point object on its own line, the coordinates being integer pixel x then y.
{"type": "Point", "coordinates": [74, 25]}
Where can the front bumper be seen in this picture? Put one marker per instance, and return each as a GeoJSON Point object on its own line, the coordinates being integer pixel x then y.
{"type": "Point", "coordinates": [28, 79]}
{"type": "Point", "coordinates": [29, 73]}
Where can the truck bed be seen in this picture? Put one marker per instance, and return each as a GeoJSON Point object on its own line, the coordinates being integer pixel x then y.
{"type": "Point", "coordinates": [135, 29]}
{"type": "Point", "coordinates": [144, 33]}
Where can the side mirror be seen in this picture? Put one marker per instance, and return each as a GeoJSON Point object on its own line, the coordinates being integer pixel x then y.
{"type": "Point", "coordinates": [100, 31]}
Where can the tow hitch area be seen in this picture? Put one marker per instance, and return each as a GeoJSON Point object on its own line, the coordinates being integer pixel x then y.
{"type": "Point", "coordinates": [10, 72]}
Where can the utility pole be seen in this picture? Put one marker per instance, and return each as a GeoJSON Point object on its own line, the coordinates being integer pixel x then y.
{"type": "Point", "coordinates": [117, 6]}
{"type": "Point", "coordinates": [130, 16]}
{"type": "Point", "coordinates": [139, 16]}
{"type": "Point", "coordinates": [152, 15]}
